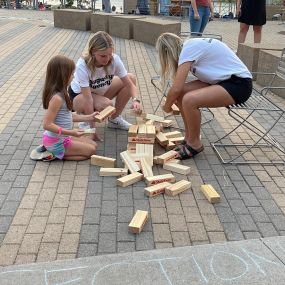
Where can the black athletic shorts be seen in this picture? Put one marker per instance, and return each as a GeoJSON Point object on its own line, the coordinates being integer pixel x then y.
{"type": "Point", "coordinates": [72, 94]}
{"type": "Point", "coordinates": [239, 88]}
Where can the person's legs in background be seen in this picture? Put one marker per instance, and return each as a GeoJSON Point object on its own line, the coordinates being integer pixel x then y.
{"type": "Point", "coordinates": [242, 32]}
{"type": "Point", "coordinates": [257, 33]}
{"type": "Point", "coordinates": [198, 26]}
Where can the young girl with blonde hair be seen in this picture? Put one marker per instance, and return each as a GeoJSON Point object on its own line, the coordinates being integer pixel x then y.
{"type": "Point", "coordinates": [99, 77]}
{"type": "Point", "coordinates": [59, 139]}
{"type": "Point", "coordinates": [221, 80]}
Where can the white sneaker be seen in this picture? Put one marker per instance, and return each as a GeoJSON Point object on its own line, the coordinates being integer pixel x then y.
{"type": "Point", "coordinates": [83, 125]}
{"type": "Point", "coordinates": [119, 123]}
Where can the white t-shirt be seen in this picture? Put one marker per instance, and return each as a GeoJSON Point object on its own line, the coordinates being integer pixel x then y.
{"type": "Point", "coordinates": [99, 82]}
{"type": "Point", "coordinates": [213, 61]}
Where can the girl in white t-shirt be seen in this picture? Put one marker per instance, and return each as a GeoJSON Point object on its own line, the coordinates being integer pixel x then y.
{"type": "Point", "coordinates": [222, 80]}
{"type": "Point", "coordinates": [101, 76]}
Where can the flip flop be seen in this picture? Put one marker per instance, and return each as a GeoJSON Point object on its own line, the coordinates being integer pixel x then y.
{"type": "Point", "coordinates": [186, 151]}
{"type": "Point", "coordinates": [39, 153]}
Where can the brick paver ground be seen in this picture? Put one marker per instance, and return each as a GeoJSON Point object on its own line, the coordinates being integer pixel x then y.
{"type": "Point", "coordinates": [62, 210]}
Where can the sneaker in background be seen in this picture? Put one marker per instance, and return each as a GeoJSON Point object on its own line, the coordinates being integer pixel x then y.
{"type": "Point", "coordinates": [119, 123]}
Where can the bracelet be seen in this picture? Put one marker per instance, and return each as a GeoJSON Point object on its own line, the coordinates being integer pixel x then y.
{"type": "Point", "coordinates": [59, 131]}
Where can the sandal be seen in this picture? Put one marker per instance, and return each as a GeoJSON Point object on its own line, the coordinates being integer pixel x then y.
{"type": "Point", "coordinates": [185, 151]}
{"type": "Point", "coordinates": [179, 146]}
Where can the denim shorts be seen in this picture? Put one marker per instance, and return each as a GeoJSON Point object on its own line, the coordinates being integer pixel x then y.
{"type": "Point", "coordinates": [239, 88]}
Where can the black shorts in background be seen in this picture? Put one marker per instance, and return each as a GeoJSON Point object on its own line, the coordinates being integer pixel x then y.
{"type": "Point", "coordinates": [71, 94]}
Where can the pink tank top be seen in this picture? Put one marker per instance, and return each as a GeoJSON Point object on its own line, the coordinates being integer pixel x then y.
{"type": "Point", "coordinates": [205, 3]}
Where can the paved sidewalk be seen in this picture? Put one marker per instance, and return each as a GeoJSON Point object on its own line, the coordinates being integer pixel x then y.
{"type": "Point", "coordinates": [63, 210]}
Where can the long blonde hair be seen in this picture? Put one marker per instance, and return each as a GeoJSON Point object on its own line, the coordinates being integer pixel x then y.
{"type": "Point", "coordinates": [100, 41]}
{"type": "Point", "coordinates": [59, 71]}
{"type": "Point", "coordinates": [169, 47]}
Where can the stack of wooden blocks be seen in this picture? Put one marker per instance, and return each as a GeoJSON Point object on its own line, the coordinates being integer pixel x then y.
{"type": "Point", "coordinates": [138, 162]}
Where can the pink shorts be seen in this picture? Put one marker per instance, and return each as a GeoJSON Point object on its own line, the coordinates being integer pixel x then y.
{"type": "Point", "coordinates": [57, 145]}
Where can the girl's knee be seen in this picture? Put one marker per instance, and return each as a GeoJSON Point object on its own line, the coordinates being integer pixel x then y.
{"type": "Point", "coordinates": [104, 105]}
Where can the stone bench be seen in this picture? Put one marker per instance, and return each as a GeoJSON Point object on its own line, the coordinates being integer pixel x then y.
{"type": "Point", "coordinates": [100, 22]}
{"type": "Point", "coordinates": [268, 61]}
{"type": "Point", "coordinates": [149, 29]}
{"type": "Point", "coordinates": [122, 26]}
{"type": "Point", "coordinates": [249, 53]}
{"type": "Point", "coordinates": [72, 19]}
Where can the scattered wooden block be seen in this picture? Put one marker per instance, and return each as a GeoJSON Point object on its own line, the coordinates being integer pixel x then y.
{"type": "Point", "coordinates": [154, 118]}
{"type": "Point", "coordinates": [146, 168]}
{"type": "Point", "coordinates": [138, 221]}
{"type": "Point", "coordinates": [159, 179]}
{"type": "Point", "coordinates": [103, 161]}
{"type": "Point", "coordinates": [129, 162]}
{"type": "Point", "coordinates": [178, 168]}
{"type": "Point", "coordinates": [113, 171]}
{"type": "Point", "coordinates": [210, 193]}
{"type": "Point", "coordinates": [176, 140]}
{"type": "Point", "coordinates": [170, 145]}
{"type": "Point", "coordinates": [161, 139]}
{"type": "Point", "coordinates": [167, 156]}
{"type": "Point", "coordinates": [177, 188]}
{"type": "Point", "coordinates": [173, 134]}
{"type": "Point", "coordinates": [175, 109]}
{"type": "Point", "coordinates": [129, 179]}
{"type": "Point", "coordinates": [157, 189]}
{"type": "Point", "coordinates": [158, 127]}
{"type": "Point", "coordinates": [107, 112]}
{"type": "Point", "coordinates": [133, 130]}
{"type": "Point", "coordinates": [167, 123]}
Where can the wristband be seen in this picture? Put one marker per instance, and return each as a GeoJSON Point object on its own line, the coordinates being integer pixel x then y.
{"type": "Point", "coordinates": [59, 131]}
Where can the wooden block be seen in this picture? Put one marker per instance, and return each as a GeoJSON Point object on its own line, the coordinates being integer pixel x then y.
{"type": "Point", "coordinates": [170, 145]}
{"type": "Point", "coordinates": [173, 134]}
{"type": "Point", "coordinates": [129, 179]}
{"type": "Point", "coordinates": [131, 147]}
{"type": "Point", "coordinates": [176, 140]}
{"type": "Point", "coordinates": [161, 139]}
{"type": "Point", "coordinates": [154, 118]}
{"type": "Point", "coordinates": [158, 127]}
{"type": "Point", "coordinates": [167, 123]}
{"type": "Point", "coordinates": [142, 131]}
{"type": "Point", "coordinates": [159, 179]}
{"type": "Point", "coordinates": [210, 193]}
{"type": "Point", "coordinates": [178, 168]}
{"type": "Point", "coordinates": [138, 221]}
{"type": "Point", "coordinates": [155, 160]}
{"type": "Point", "coordinates": [140, 148]}
{"type": "Point", "coordinates": [107, 112]}
{"type": "Point", "coordinates": [177, 188]}
{"type": "Point", "coordinates": [149, 122]}
{"type": "Point", "coordinates": [157, 189]}
{"type": "Point", "coordinates": [140, 120]}
{"type": "Point", "coordinates": [149, 149]}
{"type": "Point", "coordinates": [89, 132]}
{"type": "Point", "coordinates": [150, 131]}
{"type": "Point", "coordinates": [133, 131]}
{"type": "Point", "coordinates": [113, 171]}
{"type": "Point", "coordinates": [138, 156]}
{"type": "Point", "coordinates": [129, 162]}
{"type": "Point", "coordinates": [141, 140]}
{"type": "Point", "coordinates": [167, 156]}
{"type": "Point", "coordinates": [146, 168]}
{"type": "Point", "coordinates": [103, 161]}
{"type": "Point", "coordinates": [175, 109]}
